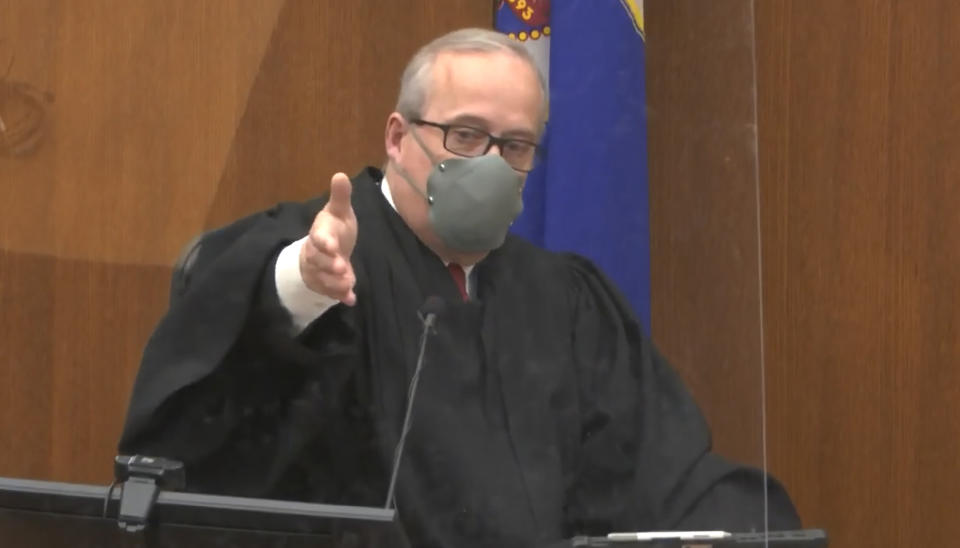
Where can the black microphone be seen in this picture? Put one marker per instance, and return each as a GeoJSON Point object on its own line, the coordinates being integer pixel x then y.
{"type": "Point", "coordinates": [428, 313]}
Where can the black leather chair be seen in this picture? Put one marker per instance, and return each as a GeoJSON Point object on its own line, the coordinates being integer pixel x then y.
{"type": "Point", "coordinates": [181, 269]}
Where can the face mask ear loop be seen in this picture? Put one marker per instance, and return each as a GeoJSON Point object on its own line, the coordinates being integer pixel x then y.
{"type": "Point", "coordinates": [406, 176]}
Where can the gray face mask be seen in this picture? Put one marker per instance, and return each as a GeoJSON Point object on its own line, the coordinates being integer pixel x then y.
{"type": "Point", "coordinates": [473, 201]}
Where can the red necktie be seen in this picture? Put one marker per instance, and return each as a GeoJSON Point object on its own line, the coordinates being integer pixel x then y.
{"type": "Point", "coordinates": [461, 278]}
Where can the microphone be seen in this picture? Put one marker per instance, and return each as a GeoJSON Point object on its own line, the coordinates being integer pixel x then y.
{"type": "Point", "coordinates": [429, 310]}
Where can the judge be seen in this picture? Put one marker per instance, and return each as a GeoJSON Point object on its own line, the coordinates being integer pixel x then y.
{"type": "Point", "coordinates": [282, 367]}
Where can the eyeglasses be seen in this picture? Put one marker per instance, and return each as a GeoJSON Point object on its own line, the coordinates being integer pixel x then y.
{"type": "Point", "coordinates": [520, 154]}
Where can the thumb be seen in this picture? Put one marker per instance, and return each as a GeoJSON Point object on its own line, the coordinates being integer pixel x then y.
{"type": "Point", "coordinates": [339, 203]}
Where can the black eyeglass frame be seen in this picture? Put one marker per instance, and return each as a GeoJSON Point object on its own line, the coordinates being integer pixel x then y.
{"type": "Point", "coordinates": [491, 140]}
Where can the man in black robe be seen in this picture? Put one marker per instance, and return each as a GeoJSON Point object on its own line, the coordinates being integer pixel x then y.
{"type": "Point", "coordinates": [282, 367]}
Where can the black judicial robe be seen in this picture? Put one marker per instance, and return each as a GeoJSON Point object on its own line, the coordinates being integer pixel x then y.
{"type": "Point", "coordinates": [543, 411]}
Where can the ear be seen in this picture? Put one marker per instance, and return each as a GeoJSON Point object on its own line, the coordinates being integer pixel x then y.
{"type": "Point", "coordinates": [393, 136]}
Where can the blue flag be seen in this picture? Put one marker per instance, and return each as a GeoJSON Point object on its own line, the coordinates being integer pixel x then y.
{"type": "Point", "coordinates": [589, 193]}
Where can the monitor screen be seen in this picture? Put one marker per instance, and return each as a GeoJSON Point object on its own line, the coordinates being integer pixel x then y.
{"type": "Point", "coordinates": [51, 514]}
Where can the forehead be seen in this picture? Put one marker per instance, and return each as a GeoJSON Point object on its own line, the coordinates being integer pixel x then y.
{"type": "Point", "coordinates": [497, 87]}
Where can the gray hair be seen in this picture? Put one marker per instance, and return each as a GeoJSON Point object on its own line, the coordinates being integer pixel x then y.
{"type": "Point", "coordinates": [415, 81]}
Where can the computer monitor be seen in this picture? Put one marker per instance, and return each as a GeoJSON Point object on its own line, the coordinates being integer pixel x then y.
{"type": "Point", "coordinates": [44, 514]}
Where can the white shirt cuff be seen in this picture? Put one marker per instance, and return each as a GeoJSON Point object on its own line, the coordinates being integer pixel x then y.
{"type": "Point", "coordinates": [303, 304]}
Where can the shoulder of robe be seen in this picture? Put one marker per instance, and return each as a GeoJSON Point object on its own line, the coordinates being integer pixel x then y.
{"type": "Point", "coordinates": [588, 288]}
{"type": "Point", "coordinates": [573, 269]}
{"type": "Point", "coordinates": [598, 292]}
{"type": "Point", "coordinates": [285, 217]}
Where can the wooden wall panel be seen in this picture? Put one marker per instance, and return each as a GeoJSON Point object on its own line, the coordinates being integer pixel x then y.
{"type": "Point", "coordinates": [26, 375]}
{"type": "Point", "coordinates": [168, 117]}
{"type": "Point", "coordinates": [859, 133]}
{"type": "Point", "coordinates": [147, 99]}
{"type": "Point", "coordinates": [860, 188]}
{"type": "Point", "coordinates": [703, 210]}
{"type": "Point", "coordinates": [321, 98]}
{"type": "Point", "coordinates": [70, 332]}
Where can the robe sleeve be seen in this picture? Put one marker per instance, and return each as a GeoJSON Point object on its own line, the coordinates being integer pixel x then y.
{"type": "Point", "coordinates": [645, 459]}
{"type": "Point", "coordinates": [223, 386]}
